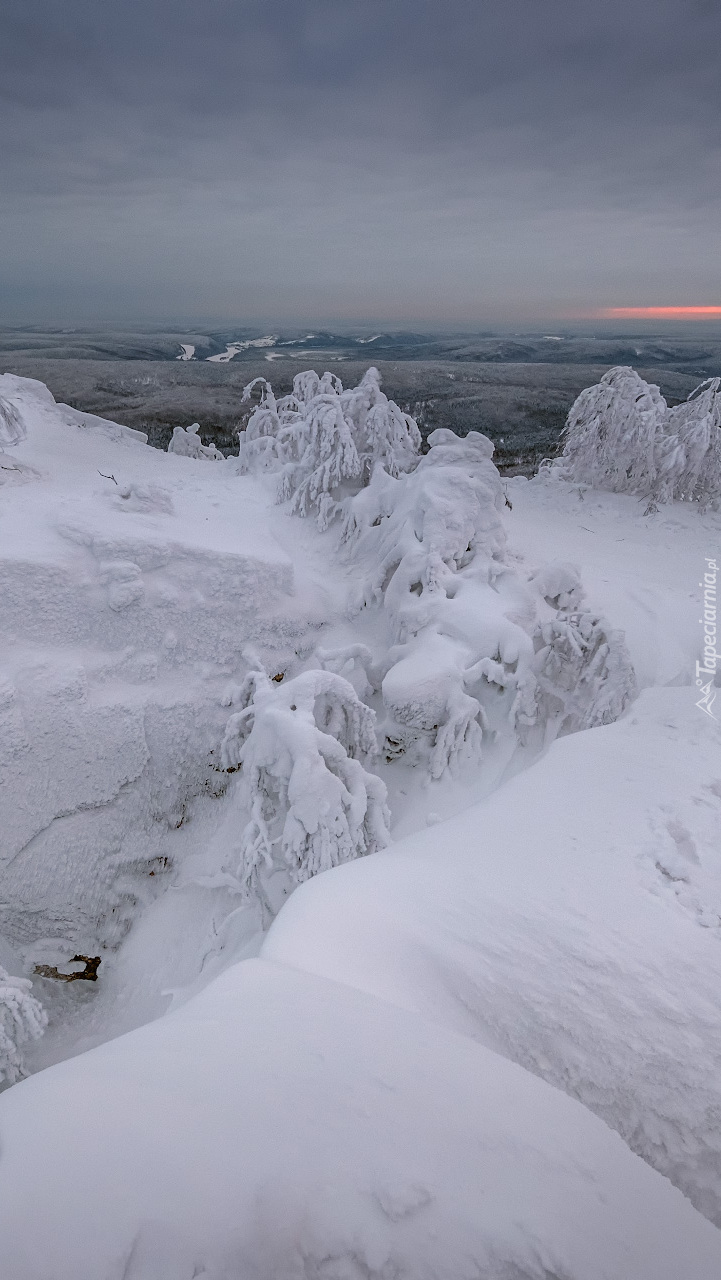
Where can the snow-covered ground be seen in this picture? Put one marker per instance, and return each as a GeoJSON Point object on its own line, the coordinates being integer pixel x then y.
{"type": "Point", "coordinates": [416, 1072]}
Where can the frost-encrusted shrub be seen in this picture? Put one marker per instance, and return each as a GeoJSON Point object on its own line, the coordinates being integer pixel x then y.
{"type": "Point", "coordinates": [621, 435]}
{"type": "Point", "coordinates": [188, 444]}
{"type": "Point", "coordinates": [12, 427]}
{"type": "Point", "coordinates": [583, 671]}
{"type": "Point", "coordinates": [322, 439]}
{"type": "Point", "coordinates": [22, 1018]}
{"type": "Point", "coordinates": [302, 746]}
{"type": "Point", "coordinates": [432, 547]}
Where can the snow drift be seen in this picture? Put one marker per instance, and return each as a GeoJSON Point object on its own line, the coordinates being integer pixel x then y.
{"type": "Point", "coordinates": [572, 922]}
{"type": "Point", "coordinates": [282, 1125]}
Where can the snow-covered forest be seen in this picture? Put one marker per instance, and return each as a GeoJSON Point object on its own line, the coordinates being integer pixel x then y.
{"type": "Point", "coordinates": [360, 881]}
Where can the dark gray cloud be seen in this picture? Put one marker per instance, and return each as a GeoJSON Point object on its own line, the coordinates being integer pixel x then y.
{"type": "Point", "coordinates": [448, 160]}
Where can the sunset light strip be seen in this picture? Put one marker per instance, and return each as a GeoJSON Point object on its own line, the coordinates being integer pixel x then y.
{"type": "Point", "coordinates": [660, 313]}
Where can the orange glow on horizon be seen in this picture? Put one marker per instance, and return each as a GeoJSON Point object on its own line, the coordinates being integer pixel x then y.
{"type": "Point", "coordinates": [660, 313]}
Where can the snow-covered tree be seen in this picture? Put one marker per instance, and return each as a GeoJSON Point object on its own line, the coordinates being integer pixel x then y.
{"type": "Point", "coordinates": [324, 441]}
{"type": "Point", "coordinates": [306, 438]}
{"type": "Point", "coordinates": [12, 427]}
{"type": "Point", "coordinates": [583, 671]}
{"type": "Point", "coordinates": [688, 454]}
{"type": "Point", "coordinates": [22, 1018]}
{"type": "Point", "coordinates": [262, 442]}
{"type": "Point", "coordinates": [431, 549]}
{"type": "Point", "coordinates": [188, 444]}
{"type": "Point", "coordinates": [326, 457]}
{"type": "Point", "coordinates": [383, 434]}
{"type": "Point", "coordinates": [621, 435]}
{"type": "Point", "coordinates": [611, 432]}
{"type": "Point", "coordinates": [426, 539]}
{"type": "Point", "coordinates": [302, 746]}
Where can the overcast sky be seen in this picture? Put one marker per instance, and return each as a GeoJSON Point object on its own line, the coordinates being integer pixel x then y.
{"type": "Point", "coordinates": [456, 162]}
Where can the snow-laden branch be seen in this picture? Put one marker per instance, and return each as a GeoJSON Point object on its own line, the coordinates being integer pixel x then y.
{"type": "Point", "coordinates": [621, 435]}
{"type": "Point", "coordinates": [322, 439]}
{"type": "Point", "coordinates": [302, 746]}
{"type": "Point", "coordinates": [22, 1018]}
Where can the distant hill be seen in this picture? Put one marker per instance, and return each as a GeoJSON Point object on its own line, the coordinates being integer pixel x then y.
{"type": "Point", "coordinates": [700, 355]}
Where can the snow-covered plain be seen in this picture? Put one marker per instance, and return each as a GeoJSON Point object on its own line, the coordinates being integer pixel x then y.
{"type": "Point", "coordinates": [416, 1072]}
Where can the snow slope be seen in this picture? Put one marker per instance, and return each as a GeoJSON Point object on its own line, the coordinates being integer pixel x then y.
{"type": "Point", "coordinates": [572, 922]}
{"type": "Point", "coordinates": [285, 1126]}
{"type": "Point", "coordinates": [364, 1099]}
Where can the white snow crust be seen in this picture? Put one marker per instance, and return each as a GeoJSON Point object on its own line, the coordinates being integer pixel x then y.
{"type": "Point", "coordinates": [485, 1051]}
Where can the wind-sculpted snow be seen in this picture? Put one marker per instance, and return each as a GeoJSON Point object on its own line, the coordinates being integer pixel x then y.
{"type": "Point", "coordinates": [282, 1126]}
{"type": "Point", "coordinates": [186, 442]}
{"type": "Point", "coordinates": [621, 435]}
{"type": "Point", "coordinates": [572, 922]}
{"type": "Point", "coordinates": [22, 1018]}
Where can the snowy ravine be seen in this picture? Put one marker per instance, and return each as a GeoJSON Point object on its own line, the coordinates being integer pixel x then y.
{"type": "Point", "coordinates": [416, 1071]}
